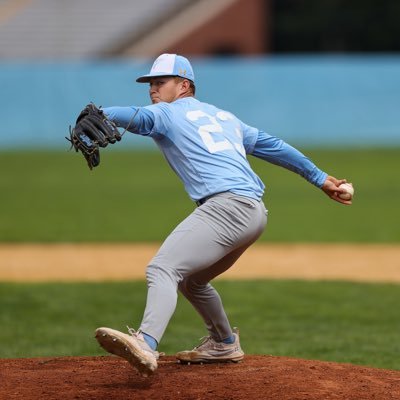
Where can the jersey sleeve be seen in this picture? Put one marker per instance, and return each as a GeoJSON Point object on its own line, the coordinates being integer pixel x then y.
{"type": "Point", "coordinates": [250, 136]}
{"type": "Point", "coordinates": [137, 120]}
{"type": "Point", "coordinates": [163, 119]}
{"type": "Point", "coordinates": [278, 152]}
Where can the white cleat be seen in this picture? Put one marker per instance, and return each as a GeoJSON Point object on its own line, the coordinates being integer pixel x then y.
{"type": "Point", "coordinates": [210, 351]}
{"type": "Point", "coordinates": [132, 348]}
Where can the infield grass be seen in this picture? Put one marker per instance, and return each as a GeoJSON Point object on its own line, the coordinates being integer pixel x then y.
{"type": "Point", "coordinates": [335, 321]}
{"type": "Point", "coordinates": [134, 196]}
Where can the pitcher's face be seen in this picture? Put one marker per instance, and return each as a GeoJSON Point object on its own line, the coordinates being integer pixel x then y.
{"type": "Point", "coordinates": [164, 88]}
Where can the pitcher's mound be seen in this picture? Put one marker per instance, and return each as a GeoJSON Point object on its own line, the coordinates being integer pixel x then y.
{"type": "Point", "coordinates": [257, 377]}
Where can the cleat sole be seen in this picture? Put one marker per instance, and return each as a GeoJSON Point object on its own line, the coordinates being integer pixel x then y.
{"type": "Point", "coordinates": [120, 347]}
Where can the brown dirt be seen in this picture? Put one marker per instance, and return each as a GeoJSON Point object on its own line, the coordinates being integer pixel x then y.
{"type": "Point", "coordinates": [94, 262]}
{"type": "Point", "coordinates": [257, 377]}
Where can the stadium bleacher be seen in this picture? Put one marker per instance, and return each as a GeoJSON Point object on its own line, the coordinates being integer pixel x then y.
{"type": "Point", "coordinates": [58, 29]}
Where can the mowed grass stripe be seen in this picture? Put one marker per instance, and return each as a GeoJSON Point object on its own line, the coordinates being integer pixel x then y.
{"type": "Point", "coordinates": [134, 196]}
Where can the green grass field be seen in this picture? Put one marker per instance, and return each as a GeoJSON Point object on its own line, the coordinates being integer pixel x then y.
{"type": "Point", "coordinates": [337, 321]}
{"type": "Point", "coordinates": [134, 196]}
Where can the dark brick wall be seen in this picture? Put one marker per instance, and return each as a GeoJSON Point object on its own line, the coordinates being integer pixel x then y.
{"type": "Point", "coordinates": [241, 29]}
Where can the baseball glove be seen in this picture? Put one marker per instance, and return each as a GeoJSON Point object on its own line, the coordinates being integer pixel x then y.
{"type": "Point", "coordinates": [92, 131]}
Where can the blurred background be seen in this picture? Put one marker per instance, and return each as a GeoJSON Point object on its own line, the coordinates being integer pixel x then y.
{"type": "Point", "coordinates": [314, 72]}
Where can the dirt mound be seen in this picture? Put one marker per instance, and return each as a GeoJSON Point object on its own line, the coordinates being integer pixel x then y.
{"type": "Point", "coordinates": [257, 377]}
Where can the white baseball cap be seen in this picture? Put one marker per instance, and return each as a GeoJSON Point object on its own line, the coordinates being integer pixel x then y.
{"type": "Point", "coordinates": [169, 65]}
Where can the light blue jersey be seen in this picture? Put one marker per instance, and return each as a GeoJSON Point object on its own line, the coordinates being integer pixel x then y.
{"type": "Point", "coordinates": [207, 147]}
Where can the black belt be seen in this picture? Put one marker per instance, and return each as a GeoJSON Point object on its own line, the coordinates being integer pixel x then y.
{"type": "Point", "coordinates": [201, 201]}
{"type": "Point", "coordinates": [204, 199]}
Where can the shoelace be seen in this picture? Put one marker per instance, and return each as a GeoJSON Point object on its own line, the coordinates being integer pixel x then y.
{"type": "Point", "coordinates": [135, 333]}
{"type": "Point", "coordinates": [203, 341]}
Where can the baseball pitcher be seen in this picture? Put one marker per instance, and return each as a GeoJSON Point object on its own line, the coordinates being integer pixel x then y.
{"type": "Point", "coordinates": [207, 148]}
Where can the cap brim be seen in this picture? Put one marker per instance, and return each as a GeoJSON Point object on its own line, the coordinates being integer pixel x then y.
{"type": "Point", "coordinates": [146, 78]}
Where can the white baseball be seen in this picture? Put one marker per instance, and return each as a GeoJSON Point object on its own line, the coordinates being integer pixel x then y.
{"type": "Point", "coordinates": [349, 191]}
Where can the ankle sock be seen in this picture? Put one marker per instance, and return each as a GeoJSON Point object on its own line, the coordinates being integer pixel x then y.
{"type": "Point", "coordinates": [150, 341]}
{"type": "Point", "coordinates": [229, 340]}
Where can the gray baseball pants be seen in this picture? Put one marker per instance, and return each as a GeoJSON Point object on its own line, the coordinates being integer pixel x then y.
{"type": "Point", "coordinates": [201, 247]}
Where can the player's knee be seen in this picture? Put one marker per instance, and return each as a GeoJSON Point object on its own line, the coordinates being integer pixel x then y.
{"type": "Point", "coordinates": [158, 273]}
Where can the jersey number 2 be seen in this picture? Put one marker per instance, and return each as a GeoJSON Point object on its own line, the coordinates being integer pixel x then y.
{"type": "Point", "coordinates": [215, 127]}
